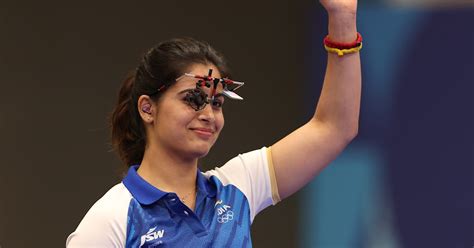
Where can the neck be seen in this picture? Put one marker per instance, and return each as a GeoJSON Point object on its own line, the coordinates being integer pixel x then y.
{"type": "Point", "coordinates": [168, 171]}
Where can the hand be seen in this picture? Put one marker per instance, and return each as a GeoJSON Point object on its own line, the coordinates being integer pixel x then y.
{"type": "Point", "coordinates": [340, 6]}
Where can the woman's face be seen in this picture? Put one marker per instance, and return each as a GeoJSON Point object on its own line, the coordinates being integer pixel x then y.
{"type": "Point", "coordinates": [180, 129]}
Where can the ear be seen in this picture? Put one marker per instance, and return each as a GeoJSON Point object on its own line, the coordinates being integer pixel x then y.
{"type": "Point", "coordinates": [146, 108]}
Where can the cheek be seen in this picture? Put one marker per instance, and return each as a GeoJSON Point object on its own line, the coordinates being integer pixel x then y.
{"type": "Point", "coordinates": [168, 121]}
{"type": "Point", "coordinates": [220, 120]}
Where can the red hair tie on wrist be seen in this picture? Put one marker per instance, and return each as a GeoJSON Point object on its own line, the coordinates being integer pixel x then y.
{"type": "Point", "coordinates": [341, 45]}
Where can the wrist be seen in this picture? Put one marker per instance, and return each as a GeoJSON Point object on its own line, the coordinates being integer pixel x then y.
{"type": "Point", "coordinates": [342, 26]}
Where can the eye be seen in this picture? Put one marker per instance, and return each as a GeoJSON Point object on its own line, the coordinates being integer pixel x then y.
{"type": "Point", "coordinates": [217, 102]}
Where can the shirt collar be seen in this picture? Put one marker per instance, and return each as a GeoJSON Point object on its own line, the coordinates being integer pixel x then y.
{"type": "Point", "coordinates": [147, 194]}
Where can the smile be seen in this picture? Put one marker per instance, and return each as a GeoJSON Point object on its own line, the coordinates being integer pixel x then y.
{"type": "Point", "coordinates": [203, 132]}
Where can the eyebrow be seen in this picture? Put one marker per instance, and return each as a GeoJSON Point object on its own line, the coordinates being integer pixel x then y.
{"type": "Point", "coordinates": [186, 90]}
{"type": "Point", "coordinates": [220, 95]}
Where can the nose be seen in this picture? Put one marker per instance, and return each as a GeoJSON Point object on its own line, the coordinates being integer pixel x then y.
{"type": "Point", "coordinates": [207, 114]}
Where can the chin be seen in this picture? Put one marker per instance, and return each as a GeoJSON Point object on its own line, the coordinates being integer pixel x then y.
{"type": "Point", "coordinates": [198, 154]}
{"type": "Point", "coordinates": [199, 151]}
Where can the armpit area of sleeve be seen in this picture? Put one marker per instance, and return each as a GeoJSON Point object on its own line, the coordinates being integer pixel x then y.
{"type": "Point", "coordinates": [273, 181]}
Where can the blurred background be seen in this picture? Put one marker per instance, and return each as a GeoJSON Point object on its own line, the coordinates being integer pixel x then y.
{"type": "Point", "coordinates": [406, 181]}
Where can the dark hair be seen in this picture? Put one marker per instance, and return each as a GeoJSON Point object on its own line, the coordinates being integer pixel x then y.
{"type": "Point", "coordinates": [160, 67]}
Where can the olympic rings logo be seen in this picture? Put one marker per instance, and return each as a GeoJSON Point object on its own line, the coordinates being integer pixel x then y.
{"type": "Point", "coordinates": [225, 217]}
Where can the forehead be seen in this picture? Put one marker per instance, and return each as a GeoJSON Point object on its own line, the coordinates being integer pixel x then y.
{"type": "Point", "coordinates": [203, 69]}
{"type": "Point", "coordinates": [200, 70]}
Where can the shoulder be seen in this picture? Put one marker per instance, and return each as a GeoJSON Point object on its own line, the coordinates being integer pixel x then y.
{"type": "Point", "coordinates": [105, 222]}
{"type": "Point", "coordinates": [238, 167]}
{"type": "Point", "coordinates": [245, 170]}
{"type": "Point", "coordinates": [117, 194]}
{"type": "Point", "coordinates": [113, 204]}
{"type": "Point", "coordinates": [252, 174]}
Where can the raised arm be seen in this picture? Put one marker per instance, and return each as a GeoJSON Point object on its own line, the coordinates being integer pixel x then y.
{"type": "Point", "coordinates": [301, 155]}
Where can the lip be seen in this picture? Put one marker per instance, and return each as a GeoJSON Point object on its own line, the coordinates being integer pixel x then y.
{"type": "Point", "coordinates": [203, 132]}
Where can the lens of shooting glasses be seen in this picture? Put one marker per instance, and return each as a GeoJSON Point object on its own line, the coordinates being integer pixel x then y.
{"type": "Point", "coordinates": [196, 98]}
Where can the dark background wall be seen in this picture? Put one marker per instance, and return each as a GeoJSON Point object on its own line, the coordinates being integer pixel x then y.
{"type": "Point", "coordinates": [61, 64]}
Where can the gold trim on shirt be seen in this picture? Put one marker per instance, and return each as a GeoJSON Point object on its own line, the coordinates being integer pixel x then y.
{"type": "Point", "coordinates": [273, 181]}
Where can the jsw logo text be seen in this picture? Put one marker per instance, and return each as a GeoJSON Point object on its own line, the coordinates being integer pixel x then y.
{"type": "Point", "coordinates": [152, 235]}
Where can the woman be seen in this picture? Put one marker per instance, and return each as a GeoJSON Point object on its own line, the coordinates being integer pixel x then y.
{"type": "Point", "coordinates": [169, 115]}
